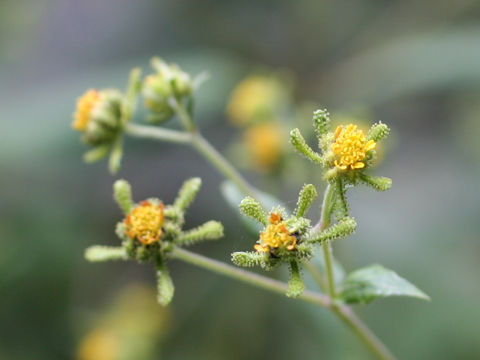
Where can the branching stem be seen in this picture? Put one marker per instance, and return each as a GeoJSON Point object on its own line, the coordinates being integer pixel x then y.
{"type": "Point", "coordinates": [193, 137]}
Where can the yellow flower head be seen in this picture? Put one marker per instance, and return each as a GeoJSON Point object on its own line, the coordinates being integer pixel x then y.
{"type": "Point", "coordinates": [100, 344]}
{"type": "Point", "coordinates": [350, 147]}
{"type": "Point", "coordinates": [83, 112]}
{"type": "Point", "coordinates": [265, 142]}
{"type": "Point", "coordinates": [144, 223]}
{"type": "Point", "coordinates": [254, 98]}
{"type": "Point", "coordinates": [276, 235]}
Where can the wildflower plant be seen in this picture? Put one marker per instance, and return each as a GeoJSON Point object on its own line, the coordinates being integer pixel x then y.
{"type": "Point", "coordinates": [152, 231]}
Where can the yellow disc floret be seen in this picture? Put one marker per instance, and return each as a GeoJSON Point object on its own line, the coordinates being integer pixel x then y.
{"type": "Point", "coordinates": [83, 112]}
{"type": "Point", "coordinates": [144, 223]}
{"type": "Point", "coordinates": [350, 147]}
{"type": "Point", "coordinates": [276, 235]}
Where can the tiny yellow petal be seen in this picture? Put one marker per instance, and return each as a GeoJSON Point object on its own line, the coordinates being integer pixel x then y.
{"type": "Point", "coordinates": [338, 130]}
{"type": "Point", "coordinates": [358, 165]}
{"type": "Point", "coordinates": [260, 248]}
{"type": "Point", "coordinates": [370, 145]}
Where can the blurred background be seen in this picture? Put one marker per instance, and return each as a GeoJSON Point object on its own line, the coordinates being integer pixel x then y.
{"type": "Point", "coordinates": [414, 65]}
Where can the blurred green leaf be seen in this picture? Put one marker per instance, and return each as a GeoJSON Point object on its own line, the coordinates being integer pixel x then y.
{"type": "Point", "coordinates": [375, 281]}
{"type": "Point", "coordinates": [446, 58]}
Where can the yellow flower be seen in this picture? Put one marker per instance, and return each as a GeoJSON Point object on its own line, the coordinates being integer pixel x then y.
{"type": "Point", "coordinates": [144, 223]}
{"type": "Point", "coordinates": [85, 105]}
{"type": "Point", "coordinates": [276, 235]}
{"type": "Point", "coordinates": [265, 142]}
{"type": "Point", "coordinates": [254, 98]}
{"type": "Point", "coordinates": [350, 147]}
{"type": "Point", "coordinates": [100, 344]}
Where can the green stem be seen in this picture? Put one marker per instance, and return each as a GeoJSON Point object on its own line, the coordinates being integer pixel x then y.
{"type": "Point", "coordinates": [326, 246]}
{"type": "Point", "coordinates": [342, 311]}
{"type": "Point", "coordinates": [373, 343]}
{"type": "Point", "coordinates": [247, 276]}
{"type": "Point", "coordinates": [222, 165]}
{"type": "Point", "coordinates": [157, 133]}
{"type": "Point", "coordinates": [182, 114]}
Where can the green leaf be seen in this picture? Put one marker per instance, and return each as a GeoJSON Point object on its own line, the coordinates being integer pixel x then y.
{"type": "Point", "coordinates": [375, 281]}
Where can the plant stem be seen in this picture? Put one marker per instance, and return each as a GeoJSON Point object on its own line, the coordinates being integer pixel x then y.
{"type": "Point", "coordinates": [194, 138]}
{"type": "Point", "coordinates": [182, 114]}
{"type": "Point", "coordinates": [200, 144]}
{"type": "Point", "coordinates": [373, 343]}
{"type": "Point", "coordinates": [222, 165]}
{"type": "Point", "coordinates": [247, 276]}
{"type": "Point", "coordinates": [326, 246]}
{"type": "Point", "coordinates": [342, 311]}
{"type": "Point", "coordinates": [157, 133]}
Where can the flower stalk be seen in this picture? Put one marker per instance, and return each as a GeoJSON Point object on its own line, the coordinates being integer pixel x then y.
{"type": "Point", "coordinates": [153, 232]}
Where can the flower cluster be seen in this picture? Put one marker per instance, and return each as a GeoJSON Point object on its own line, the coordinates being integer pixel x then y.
{"type": "Point", "coordinates": [150, 230]}
{"type": "Point", "coordinates": [288, 239]}
{"type": "Point", "coordinates": [102, 116]}
{"type": "Point", "coordinates": [346, 154]}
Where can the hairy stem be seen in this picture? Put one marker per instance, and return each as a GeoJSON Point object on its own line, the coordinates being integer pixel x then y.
{"type": "Point", "coordinates": [247, 276]}
{"type": "Point", "coordinates": [326, 246]}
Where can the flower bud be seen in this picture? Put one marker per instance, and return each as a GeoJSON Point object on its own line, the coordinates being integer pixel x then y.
{"type": "Point", "coordinates": [98, 116]}
{"type": "Point", "coordinates": [167, 81]}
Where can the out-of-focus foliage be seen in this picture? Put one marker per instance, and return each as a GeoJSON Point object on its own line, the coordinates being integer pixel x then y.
{"type": "Point", "coordinates": [131, 326]}
{"type": "Point", "coordinates": [412, 64]}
